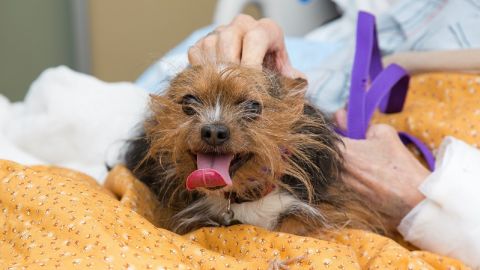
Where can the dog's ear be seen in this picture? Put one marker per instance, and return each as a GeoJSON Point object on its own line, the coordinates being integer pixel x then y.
{"type": "Point", "coordinates": [297, 84]}
{"type": "Point", "coordinates": [282, 86]}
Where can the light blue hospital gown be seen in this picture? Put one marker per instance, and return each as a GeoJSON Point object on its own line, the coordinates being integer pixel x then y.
{"type": "Point", "coordinates": [325, 55]}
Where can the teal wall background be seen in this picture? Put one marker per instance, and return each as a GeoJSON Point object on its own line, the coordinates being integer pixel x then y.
{"type": "Point", "coordinates": [34, 35]}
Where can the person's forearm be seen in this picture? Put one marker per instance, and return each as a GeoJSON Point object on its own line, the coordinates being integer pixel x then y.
{"type": "Point", "coordinates": [467, 60]}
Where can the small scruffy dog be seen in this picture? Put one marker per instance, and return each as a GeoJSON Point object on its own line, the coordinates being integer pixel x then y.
{"type": "Point", "coordinates": [228, 144]}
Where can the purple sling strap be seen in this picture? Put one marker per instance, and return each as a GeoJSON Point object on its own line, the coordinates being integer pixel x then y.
{"type": "Point", "coordinates": [374, 87]}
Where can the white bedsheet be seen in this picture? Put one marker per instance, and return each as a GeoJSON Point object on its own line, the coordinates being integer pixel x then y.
{"type": "Point", "coordinates": [72, 120]}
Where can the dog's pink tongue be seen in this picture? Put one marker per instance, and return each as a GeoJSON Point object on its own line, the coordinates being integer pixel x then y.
{"type": "Point", "coordinates": [212, 171]}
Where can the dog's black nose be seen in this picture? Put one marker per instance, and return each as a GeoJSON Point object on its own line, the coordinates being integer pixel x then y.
{"type": "Point", "coordinates": [215, 134]}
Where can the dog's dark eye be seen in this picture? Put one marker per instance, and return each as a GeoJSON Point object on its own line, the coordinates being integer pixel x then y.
{"type": "Point", "coordinates": [252, 109]}
{"type": "Point", "coordinates": [188, 101]}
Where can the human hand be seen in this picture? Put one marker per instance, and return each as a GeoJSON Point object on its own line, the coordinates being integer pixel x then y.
{"type": "Point", "coordinates": [248, 42]}
{"type": "Point", "coordinates": [382, 170]}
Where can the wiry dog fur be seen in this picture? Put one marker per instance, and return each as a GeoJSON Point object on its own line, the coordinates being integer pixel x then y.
{"type": "Point", "coordinates": [289, 144]}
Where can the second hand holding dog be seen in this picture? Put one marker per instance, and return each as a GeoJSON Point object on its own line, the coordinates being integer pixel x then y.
{"type": "Point", "coordinates": [383, 170]}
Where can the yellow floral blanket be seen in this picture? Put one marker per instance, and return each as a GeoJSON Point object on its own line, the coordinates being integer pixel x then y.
{"type": "Point", "coordinates": [53, 218]}
{"type": "Point", "coordinates": [440, 105]}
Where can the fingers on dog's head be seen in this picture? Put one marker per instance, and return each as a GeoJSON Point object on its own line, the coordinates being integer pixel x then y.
{"type": "Point", "coordinates": [195, 55]}
{"type": "Point", "coordinates": [229, 45]}
{"type": "Point", "coordinates": [265, 37]}
{"type": "Point", "coordinates": [243, 21]}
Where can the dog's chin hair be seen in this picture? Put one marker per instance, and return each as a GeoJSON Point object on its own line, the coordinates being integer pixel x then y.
{"type": "Point", "coordinates": [267, 212]}
{"type": "Point", "coordinates": [203, 212]}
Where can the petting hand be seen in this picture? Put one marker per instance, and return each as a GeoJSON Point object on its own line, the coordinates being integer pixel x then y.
{"type": "Point", "coordinates": [245, 41]}
{"type": "Point", "coordinates": [383, 171]}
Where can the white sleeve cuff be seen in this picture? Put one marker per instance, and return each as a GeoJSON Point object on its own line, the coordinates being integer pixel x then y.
{"type": "Point", "coordinates": [448, 220]}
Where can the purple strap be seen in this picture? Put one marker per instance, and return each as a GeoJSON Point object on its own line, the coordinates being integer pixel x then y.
{"type": "Point", "coordinates": [387, 88]}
